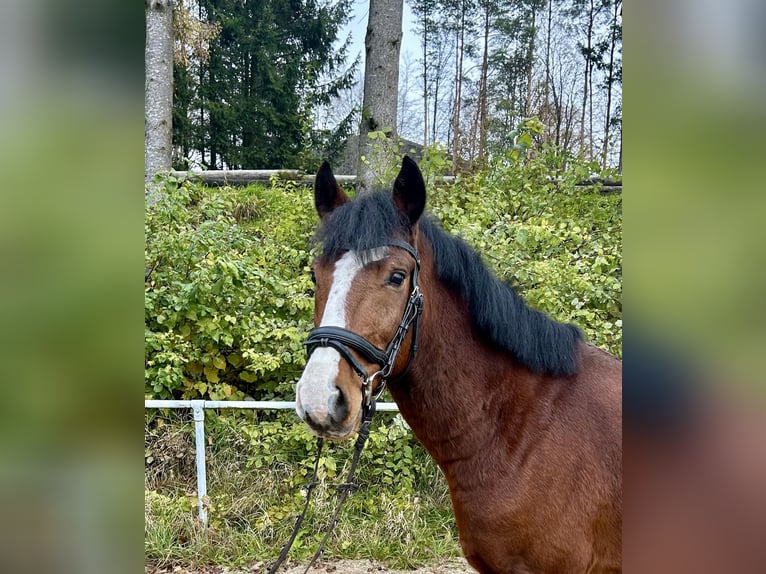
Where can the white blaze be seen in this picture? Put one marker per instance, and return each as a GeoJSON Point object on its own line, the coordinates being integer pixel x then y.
{"type": "Point", "coordinates": [316, 391]}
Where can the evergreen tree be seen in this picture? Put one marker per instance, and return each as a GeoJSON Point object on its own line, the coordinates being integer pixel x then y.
{"type": "Point", "coordinates": [272, 62]}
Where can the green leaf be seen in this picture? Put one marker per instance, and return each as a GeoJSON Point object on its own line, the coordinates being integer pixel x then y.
{"type": "Point", "coordinates": [211, 374]}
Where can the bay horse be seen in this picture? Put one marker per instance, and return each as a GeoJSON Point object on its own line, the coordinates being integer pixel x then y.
{"type": "Point", "coordinates": [523, 417]}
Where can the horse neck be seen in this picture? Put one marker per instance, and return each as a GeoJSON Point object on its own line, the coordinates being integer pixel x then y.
{"type": "Point", "coordinates": [457, 385]}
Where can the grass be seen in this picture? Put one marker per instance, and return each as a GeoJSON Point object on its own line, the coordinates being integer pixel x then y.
{"type": "Point", "coordinates": [257, 469]}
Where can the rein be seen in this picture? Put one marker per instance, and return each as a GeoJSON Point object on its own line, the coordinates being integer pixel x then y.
{"type": "Point", "coordinates": [343, 341]}
{"type": "Point", "coordinates": [344, 488]}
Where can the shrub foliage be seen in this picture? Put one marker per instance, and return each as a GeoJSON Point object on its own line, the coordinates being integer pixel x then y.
{"type": "Point", "coordinates": [229, 301]}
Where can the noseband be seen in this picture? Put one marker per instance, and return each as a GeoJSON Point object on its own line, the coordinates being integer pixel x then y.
{"type": "Point", "coordinates": [343, 340]}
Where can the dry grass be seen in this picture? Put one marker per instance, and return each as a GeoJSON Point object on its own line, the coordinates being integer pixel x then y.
{"type": "Point", "coordinates": [251, 510]}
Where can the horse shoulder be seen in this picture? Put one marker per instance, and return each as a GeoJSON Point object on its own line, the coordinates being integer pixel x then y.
{"type": "Point", "coordinates": [551, 499]}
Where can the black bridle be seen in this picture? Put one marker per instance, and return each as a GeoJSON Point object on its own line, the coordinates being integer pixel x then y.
{"type": "Point", "coordinates": [343, 341]}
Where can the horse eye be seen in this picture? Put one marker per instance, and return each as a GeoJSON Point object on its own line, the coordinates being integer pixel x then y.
{"type": "Point", "coordinates": [396, 278]}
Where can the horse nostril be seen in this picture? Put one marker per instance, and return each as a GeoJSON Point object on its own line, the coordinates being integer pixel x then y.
{"type": "Point", "coordinates": [313, 422]}
{"type": "Point", "coordinates": [340, 407]}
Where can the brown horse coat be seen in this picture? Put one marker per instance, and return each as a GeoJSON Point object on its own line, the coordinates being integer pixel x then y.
{"type": "Point", "coordinates": [522, 416]}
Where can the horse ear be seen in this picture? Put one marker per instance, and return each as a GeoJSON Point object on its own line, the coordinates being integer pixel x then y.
{"type": "Point", "coordinates": [327, 193]}
{"type": "Point", "coordinates": [410, 190]}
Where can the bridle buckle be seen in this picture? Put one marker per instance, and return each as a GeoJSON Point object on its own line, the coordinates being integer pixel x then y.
{"type": "Point", "coordinates": [368, 387]}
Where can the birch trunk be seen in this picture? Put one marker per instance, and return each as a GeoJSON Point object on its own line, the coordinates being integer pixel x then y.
{"type": "Point", "coordinates": [158, 91]}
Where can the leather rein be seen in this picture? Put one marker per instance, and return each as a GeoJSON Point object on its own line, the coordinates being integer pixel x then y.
{"type": "Point", "coordinates": [344, 341]}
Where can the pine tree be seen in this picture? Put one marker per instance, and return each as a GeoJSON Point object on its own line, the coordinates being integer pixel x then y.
{"type": "Point", "coordinates": [271, 64]}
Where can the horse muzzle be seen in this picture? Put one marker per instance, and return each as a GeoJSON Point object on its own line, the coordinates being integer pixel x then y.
{"type": "Point", "coordinates": [323, 405]}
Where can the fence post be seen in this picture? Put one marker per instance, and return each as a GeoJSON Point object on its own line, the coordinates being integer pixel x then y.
{"type": "Point", "coordinates": [199, 441]}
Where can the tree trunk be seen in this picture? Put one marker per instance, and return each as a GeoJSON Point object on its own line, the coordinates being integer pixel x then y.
{"type": "Point", "coordinates": [586, 79]}
{"type": "Point", "coordinates": [201, 102]}
{"type": "Point", "coordinates": [460, 44]}
{"type": "Point", "coordinates": [530, 64]}
{"type": "Point", "coordinates": [590, 84]}
{"type": "Point", "coordinates": [425, 77]}
{"type": "Point", "coordinates": [381, 81]}
{"type": "Point", "coordinates": [557, 109]}
{"type": "Point", "coordinates": [158, 92]}
{"type": "Point", "coordinates": [546, 87]}
{"type": "Point", "coordinates": [437, 83]}
{"type": "Point", "coordinates": [619, 162]}
{"type": "Point", "coordinates": [483, 95]}
{"type": "Point", "coordinates": [609, 84]}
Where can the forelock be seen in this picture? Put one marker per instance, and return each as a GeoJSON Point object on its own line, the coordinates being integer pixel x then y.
{"type": "Point", "coordinates": [360, 225]}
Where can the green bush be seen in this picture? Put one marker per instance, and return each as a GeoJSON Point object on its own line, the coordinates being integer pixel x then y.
{"type": "Point", "coordinates": [229, 300]}
{"type": "Point", "coordinates": [559, 244]}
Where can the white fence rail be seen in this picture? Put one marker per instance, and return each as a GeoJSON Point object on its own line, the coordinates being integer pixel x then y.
{"type": "Point", "coordinates": [198, 408]}
{"type": "Point", "coordinates": [248, 176]}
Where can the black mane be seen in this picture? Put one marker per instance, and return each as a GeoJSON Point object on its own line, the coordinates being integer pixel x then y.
{"type": "Point", "coordinates": [499, 313]}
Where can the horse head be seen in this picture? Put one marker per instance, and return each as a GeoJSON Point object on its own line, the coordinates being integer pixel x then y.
{"type": "Point", "coordinates": [367, 301]}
